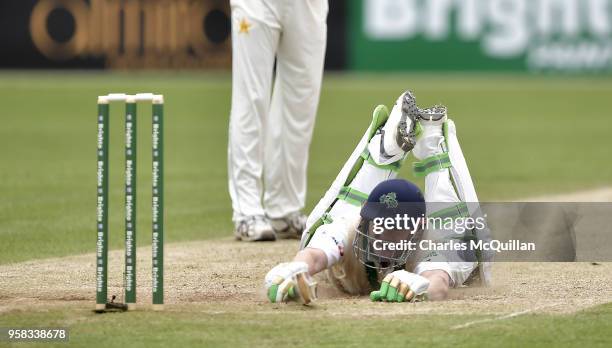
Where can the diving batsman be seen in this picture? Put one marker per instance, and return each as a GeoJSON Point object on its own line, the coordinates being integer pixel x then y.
{"type": "Point", "coordinates": [341, 236]}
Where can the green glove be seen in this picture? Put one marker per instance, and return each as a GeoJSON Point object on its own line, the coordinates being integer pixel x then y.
{"type": "Point", "coordinates": [392, 293]}
{"type": "Point", "coordinates": [384, 287]}
{"type": "Point", "coordinates": [392, 290]}
{"type": "Point", "coordinates": [375, 296]}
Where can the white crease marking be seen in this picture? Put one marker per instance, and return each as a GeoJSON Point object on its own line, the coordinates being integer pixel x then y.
{"type": "Point", "coordinates": [503, 317]}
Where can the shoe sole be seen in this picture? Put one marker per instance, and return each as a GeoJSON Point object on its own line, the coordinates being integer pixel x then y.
{"type": "Point", "coordinates": [411, 110]}
{"type": "Point", "coordinates": [409, 106]}
{"type": "Point", "coordinates": [433, 114]}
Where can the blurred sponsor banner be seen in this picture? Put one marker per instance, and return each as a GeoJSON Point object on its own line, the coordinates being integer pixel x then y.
{"type": "Point", "coordinates": [535, 35]}
{"type": "Point", "coordinates": [115, 33]}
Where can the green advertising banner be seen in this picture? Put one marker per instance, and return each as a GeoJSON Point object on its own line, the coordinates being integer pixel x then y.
{"type": "Point", "coordinates": [487, 35]}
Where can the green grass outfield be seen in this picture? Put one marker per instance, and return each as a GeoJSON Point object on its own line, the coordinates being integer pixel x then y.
{"type": "Point", "coordinates": [522, 136]}
{"type": "Point", "coordinates": [295, 326]}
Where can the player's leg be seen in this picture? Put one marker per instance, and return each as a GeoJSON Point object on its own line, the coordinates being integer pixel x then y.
{"type": "Point", "coordinates": [431, 151]}
{"type": "Point", "coordinates": [299, 71]}
{"type": "Point", "coordinates": [255, 35]}
{"type": "Point", "coordinates": [441, 161]}
{"type": "Point", "coordinates": [449, 193]}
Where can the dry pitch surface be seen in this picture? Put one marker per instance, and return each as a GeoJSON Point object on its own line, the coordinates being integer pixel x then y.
{"type": "Point", "coordinates": [221, 276]}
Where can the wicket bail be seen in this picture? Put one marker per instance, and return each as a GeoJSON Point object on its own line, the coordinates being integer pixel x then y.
{"type": "Point", "coordinates": [157, 245]}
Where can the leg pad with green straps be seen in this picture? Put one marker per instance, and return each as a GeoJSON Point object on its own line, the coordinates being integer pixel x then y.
{"type": "Point", "coordinates": [379, 118]}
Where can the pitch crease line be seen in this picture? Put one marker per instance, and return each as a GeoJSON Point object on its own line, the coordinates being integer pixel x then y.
{"type": "Point", "coordinates": [503, 317]}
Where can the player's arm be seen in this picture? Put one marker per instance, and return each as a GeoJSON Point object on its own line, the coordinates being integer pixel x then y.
{"type": "Point", "coordinates": [439, 284]}
{"type": "Point", "coordinates": [293, 280]}
{"type": "Point", "coordinates": [290, 280]}
{"type": "Point", "coordinates": [314, 258]}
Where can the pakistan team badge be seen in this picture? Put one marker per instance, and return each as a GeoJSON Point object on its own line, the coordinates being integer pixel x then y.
{"type": "Point", "coordinates": [389, 199]}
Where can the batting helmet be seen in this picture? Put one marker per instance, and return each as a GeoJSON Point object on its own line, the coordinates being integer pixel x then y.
{"type": "Point", "coordinates": [395, 199]}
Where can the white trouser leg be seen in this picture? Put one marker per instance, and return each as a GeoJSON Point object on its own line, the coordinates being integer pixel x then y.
{"type": "Point", "coordinates": [440, 193]}
{"type": "Point", "coordinates": [438, 185]}
{"type": "Point", "coordinates": [299, 70]}
{"type": "Point", "coordinates": [255, 35]}
{"type": "Point", "coordinates": [388, 143]}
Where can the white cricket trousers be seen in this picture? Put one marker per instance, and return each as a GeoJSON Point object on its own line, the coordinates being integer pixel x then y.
{"type": "Point", "coordinates": [271, 127]}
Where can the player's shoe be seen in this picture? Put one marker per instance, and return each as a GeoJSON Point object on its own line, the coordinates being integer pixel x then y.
{"type": "Point", "coordinates": [290, 226]}
{"type": "Point", "coordinates": [431, 134]}
{"type": "Point", "coordinates": [407, 128]}
{"type": "Point", "coordinates": [434, 115]}
{"type": "Point", "coordinates": [253, 229]}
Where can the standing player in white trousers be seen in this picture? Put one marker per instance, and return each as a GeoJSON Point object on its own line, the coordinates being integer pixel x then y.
{"type": "Point", "coordinates": [270, 128]}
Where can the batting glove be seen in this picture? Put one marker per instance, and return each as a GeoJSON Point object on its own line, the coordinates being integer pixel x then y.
{"type": "Point", "coordinates": [400, 286]}
{"type": "Point", "coordinates": [290, 281]}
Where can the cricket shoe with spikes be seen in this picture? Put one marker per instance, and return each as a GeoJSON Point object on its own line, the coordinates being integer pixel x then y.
{"type": "Point", "coordinates": [413, 118]}
{"type": "Point", "coordinates": [254, 229]}
{"type": "Point", "coordinates": [290, 226]}
{"type": "Point", "coordinates": [436, 113]}
{"type": "Point", "coordinates": [430, 139]}
{"type": "Point", "coordinates": [395, 138]}
{"type": "Point", "coordinates": [401, 128]}
{"type": "Point", "coordinates": [407, 127]}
